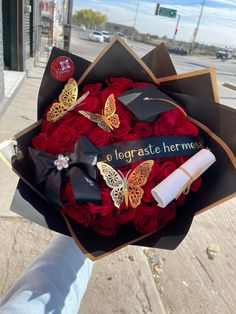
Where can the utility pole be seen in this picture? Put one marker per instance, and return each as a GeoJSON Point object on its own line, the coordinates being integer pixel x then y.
{"type": "Point", "coordinates": [135, 19]}
{"type": "Point", "coordinates": [197, 27]}
{"type": "Point", "coordinates": [67, 24]}
{"type": "Point", "coordinates": [176, 29]}
{"type": "Point", "coordinates": [69, 14]}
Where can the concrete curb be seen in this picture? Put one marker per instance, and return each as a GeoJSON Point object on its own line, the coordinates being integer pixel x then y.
{"type": "Point", "coordinates": [229, 85]}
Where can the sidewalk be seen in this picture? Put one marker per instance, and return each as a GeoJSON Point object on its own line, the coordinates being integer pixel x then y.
{"type": "Point", "coordinates": [121, 283]}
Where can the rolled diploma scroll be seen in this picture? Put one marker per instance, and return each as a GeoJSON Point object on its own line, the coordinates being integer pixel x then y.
{"type": "Point", "coordinates": [171, 186]}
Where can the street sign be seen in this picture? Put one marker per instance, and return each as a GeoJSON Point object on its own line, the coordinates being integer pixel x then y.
{"type": "Point", "coordinates": [167, 12]}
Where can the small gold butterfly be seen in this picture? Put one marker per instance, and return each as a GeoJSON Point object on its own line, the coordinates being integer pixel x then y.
{"type": "Point", "coordinates": [67, 101]}
{"type": "Point", "coordinates": [128, 188]}
{"type": "Point", "coordinates": [108, 119]}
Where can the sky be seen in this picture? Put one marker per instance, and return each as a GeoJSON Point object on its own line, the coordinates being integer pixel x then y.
{"type": "Point", "coordinates": [217, 26]}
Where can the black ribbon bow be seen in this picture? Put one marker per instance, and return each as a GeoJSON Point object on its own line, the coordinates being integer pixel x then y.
{"type": "Point", "coordinates": [79, 165]}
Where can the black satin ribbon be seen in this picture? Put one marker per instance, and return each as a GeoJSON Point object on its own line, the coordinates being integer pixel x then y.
{"type": "Point", "coordinates": [81, 170]}
{"type": "Point", "coordinates": [126, 153]}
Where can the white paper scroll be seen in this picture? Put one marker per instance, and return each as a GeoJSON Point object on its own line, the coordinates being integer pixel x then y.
{"type": "Point", "coordinates": [180, 180]}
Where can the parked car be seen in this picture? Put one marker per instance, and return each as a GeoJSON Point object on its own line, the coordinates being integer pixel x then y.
{"type": "Point", "coordinates": [224, 54]}
{"type": "Point", "coordinates": [122, 36]}
{"type": "Point", "coordinates": [179, 51]}
{"type": "Point", "coordinates": [82, 27]}
{"type": "Point", "coordinates": [106, 36]}
{"type": "Point", "coordinates": [96, 36]}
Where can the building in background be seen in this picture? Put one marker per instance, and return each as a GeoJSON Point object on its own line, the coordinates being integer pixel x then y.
{"type": "Point", "coordinates": [26, 28]}
{"type": "Point", "coordinates": [19, 27]}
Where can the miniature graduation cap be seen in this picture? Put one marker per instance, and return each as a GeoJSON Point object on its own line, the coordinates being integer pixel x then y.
{"type": "Point", "coordinates": [147, 102]}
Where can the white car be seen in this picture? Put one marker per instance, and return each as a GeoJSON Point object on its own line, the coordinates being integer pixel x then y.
{"type": "Point", "coordinates": [82, 27]}
{"type": "Point", "coordinates": [96, 36]}
{"type": "Point", "coordinates": [122, 36]}
{"type": "Point", "coordinates": [106, 36]}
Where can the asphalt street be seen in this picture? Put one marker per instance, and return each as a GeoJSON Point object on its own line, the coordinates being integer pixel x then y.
{"type": "Point", "coordinates": [225, 70]}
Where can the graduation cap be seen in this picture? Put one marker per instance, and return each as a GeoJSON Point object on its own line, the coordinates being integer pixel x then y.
{"type": "Point", "coordinates": [147, 102]}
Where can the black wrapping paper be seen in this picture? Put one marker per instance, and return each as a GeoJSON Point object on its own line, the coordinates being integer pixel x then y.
{"type": "Point", "coordinates": [219, 182]}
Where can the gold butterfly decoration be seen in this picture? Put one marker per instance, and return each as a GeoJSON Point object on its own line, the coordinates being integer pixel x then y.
{"type": "Point", "coordinates": [108, 119]}
{"type": "Point", "coordinates": [67, 101]}
{"type": "Point", "coordinates": [128, 188]}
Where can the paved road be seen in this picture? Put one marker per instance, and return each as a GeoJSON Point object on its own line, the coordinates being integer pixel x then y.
{"type": "Point", "coordinates": [226, 70]}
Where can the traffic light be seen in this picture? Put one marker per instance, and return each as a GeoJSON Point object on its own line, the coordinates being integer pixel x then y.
{"type": "Point", "coordinates": [157, 9]}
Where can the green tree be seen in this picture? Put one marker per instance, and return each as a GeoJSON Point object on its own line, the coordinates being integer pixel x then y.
{"type": "Point", "coordinates": [89, 18]}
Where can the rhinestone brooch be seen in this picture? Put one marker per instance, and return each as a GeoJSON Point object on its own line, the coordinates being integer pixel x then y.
{"type": "Point", "coordinates": [62, 162]}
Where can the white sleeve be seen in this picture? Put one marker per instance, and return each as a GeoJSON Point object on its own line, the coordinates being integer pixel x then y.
{"type": "Point", "coordinates": [54, 283]}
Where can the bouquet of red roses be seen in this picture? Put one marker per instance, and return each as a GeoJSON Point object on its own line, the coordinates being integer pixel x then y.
{"type": "Point", "coordinates": [107, 142]}
{"type": "Point", "coordinates": [124, 191]}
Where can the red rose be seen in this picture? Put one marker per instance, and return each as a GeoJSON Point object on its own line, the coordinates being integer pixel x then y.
{"type": "Point", "coordinates": [162, 127]}
{"type": "Point", "coordinates": [79, 214]}
{"type": "Point", "coordinates": [39, 141]}
{"type": "Point", "coordinates": [48, 126]}
{"type": "Point", "coordinates": [124, 112]}
{"type": "Point", "coordinates": [145, 219]}
{"type": "Point", "coordinates": [178, 202]}
{"type": "Point", "coordinates": [143, 129]}
{"type": "Point", "coordinates": [147, 196]}
{"type": "Point", "coordinates": [164, 215]}
{"type": "Point", "coordinates": [67, 193]}
{"type": "Point", "coordinates": [107, 92]}
{"type": "Point", "coordinates": [140, 84]}
{"type": "Point", "coordinates": [68, 118]}
{"type": "Point", "coordinates": [153, 176]}
{"type": "Point", "coordinates": [61, 140]}
{"type": "Point", "coordinates": [130, 137]}
{"type": "Point", "coordinates": [122, 83]}
{"type": "Point", "coordinates": [180, 160]}
{"type": "Point", "coordinates": [99, 137]}
{"type": "Point", "coordinates": [166, 169]}
{"type": "Point", "coordinates": [121, 131]}
{"type": "Point", "coordinates": [185, 127]}
{"type": "Point", "coordinates": [155, 128]}
{"type": "Point", "coordinates": [196, 184]}
{"type": "Point", "coordinates": [165, 124]}
{"type": "Point", "coordinates": [125, 214]}
{"type": "Point", "coordinates": [106, 225]}
{"type": "Point", "coordinates": [92, 88]}
{"type": "Point", "coordinates": [172, 116]}
{"type": "Point", "coordinates": [106, 206]}
{"type": "Point", "coordinates": [89, 104]}
{"type": "Point", "coordinates": [82, 125]}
